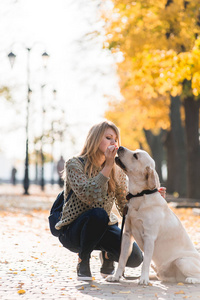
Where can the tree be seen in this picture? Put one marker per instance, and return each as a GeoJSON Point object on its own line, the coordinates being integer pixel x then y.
{"type": "Point", "coordinates": [156, 145]}
{"type": "Point", "coordinates": [159, 41]}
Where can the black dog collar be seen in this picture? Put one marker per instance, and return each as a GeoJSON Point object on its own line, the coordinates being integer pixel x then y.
{"type": "Point", "coordinates": [146, 192]}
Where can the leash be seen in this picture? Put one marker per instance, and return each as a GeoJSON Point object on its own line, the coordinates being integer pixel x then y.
{"type": "Point", "coordinates": [125, 211]}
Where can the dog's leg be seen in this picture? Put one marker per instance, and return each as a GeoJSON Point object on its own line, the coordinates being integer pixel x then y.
{"type": "Point", "coordinates": [126, 247]}
{"type": "Point", "coordinates": [148, 253]}
{"type": "Point", "coordinates": [190, 268]}
{"type": "Point", "coordinates": [169, 272]}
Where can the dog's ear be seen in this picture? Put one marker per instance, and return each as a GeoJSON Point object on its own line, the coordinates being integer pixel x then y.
{"type": "Point", "coordinates": [152, 178]}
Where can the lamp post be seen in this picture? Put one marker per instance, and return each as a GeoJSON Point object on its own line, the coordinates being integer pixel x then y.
{"type": "Point", "coordinates": [52, 139]}
{"type": "Point", "coordinates": [12, 57]}
{"type": "Point", "coordinates": [52, 152]}
{"type": "Point", "coordinates": [42, 183]}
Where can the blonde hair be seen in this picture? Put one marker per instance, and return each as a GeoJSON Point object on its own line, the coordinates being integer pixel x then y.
{"type": "Point", "coordinates": [91, 149]}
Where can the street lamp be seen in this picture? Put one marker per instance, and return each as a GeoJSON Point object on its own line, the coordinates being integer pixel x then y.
{"type": "Point", "coordinates": [52, 152]}
{"type": "Point", "coordinates": [45, 57]}
{"type": "Point", "coordinates": [54, 94]}
{"type": "Point", "coordinates": [42, 183]}
{"type": "Point", "coordinates": [12, 57]}
{"type": "Point", "coordinates": [52, 140]}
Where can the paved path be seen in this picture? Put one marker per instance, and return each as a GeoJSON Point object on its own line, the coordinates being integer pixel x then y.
{"type": "Point", "coordinates": [34, 265]}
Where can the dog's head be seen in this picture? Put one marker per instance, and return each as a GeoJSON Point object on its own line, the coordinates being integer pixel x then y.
{"type": "Point", "coordinates": [140, 169]}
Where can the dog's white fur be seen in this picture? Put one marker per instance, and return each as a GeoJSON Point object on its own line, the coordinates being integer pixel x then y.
{"type": "Point", "coordinates": [153, 225]}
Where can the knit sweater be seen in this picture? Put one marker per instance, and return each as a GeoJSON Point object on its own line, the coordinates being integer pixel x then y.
{"type": "Point", "coordinates": [90, 192]}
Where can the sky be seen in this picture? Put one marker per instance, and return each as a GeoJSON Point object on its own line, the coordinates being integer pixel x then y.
{"type": "Point", "coordinates": [79, 69]}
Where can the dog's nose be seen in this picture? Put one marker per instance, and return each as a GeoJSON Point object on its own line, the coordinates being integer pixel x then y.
{"type": "Point", "coordinates": [120, 149]}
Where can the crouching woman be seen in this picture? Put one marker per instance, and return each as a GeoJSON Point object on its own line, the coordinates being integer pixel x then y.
{"type": "Point", "coordinates": [88, 222]}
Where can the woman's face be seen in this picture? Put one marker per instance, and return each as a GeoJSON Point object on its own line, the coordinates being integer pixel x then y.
{"type": "Point", "coordinates": [109, 139]}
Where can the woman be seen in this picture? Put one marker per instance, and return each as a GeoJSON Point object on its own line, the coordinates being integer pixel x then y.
{"type": "Point", "coordinates": [87, 222]}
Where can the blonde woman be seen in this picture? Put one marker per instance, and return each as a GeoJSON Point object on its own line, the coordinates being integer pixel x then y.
{"type": "Point", "coordinates": [87, 221]}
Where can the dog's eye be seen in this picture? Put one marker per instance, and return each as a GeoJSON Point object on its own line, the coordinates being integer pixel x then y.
{"type": "Point", "coordinates": [135, 155]}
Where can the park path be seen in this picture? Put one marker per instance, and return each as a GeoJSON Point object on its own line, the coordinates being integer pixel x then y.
{"type": "Point", "coordinates": [34, 265]}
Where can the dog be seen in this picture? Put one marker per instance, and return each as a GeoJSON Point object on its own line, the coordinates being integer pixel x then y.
{"type": "Point", "coordinates": [155, 228]}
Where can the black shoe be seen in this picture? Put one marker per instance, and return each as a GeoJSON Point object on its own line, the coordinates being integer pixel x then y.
{"type": "Point", "coordinates": [107, 267]}
{"type": "Point", "coordinates": [83, 271]}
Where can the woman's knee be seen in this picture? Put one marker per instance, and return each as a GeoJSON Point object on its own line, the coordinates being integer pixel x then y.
{"type": "Point", "coordinates": [66, 242]}
{"type": "Point", "coordinates": [99, 215]}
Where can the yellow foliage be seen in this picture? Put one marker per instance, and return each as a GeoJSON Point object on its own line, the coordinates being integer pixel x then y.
{"type": "Point", "coordinates": [161, 50]}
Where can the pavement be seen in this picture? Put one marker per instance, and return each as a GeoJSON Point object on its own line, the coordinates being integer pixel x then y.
{"type": "Point", "coordinates": [34, 265]}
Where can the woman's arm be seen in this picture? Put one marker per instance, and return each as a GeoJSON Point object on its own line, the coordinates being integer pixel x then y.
{"type": "Point", "coordinates": [86, 189]}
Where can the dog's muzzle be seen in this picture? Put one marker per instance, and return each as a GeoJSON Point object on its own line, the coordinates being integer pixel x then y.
{"type": "Point", "coordinates": [117, 159]}
{"type": "Point", "coordinates": [120, 150]}
{"type": "Point", "coordinates": [119, 163]}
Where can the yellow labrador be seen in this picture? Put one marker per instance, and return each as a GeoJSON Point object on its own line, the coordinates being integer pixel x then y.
{"type": "Point", "coordinates": [155, 228]}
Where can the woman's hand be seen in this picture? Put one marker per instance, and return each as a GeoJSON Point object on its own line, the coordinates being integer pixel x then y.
{"type": "Point", "coordinates": [110, 153]}
{"type": "Point", "coordinates": [162, 191]}
{"type": "Point", "coordinates": [110, 160]}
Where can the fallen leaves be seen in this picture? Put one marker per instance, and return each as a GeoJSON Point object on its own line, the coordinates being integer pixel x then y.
{"type": "Point", "coordinates": [179, 292]}
{"type": "Point", "coordinates": [4, 262]}
{"type": "Point", "coordinates": [149, 284]}
{"type": "Point", "coordinates": [21, 292]}
{"type": "Point", "coordinates": [32, 261]}
{"type": "Point", "coordinates": [92, 285]}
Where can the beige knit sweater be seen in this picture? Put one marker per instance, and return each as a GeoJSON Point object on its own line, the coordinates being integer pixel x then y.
{"type": "Point", "coordinates": [90, 192]}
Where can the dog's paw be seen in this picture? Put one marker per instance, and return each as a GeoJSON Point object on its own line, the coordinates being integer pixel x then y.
{"type": "Point", "coordinates": [192, 280]}
{"type": "Point", "coordinates": [144, 280]}
{"type": "Point", "coordinates": [112, 278]}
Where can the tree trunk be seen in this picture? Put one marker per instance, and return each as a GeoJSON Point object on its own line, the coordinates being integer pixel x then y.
{"type": "Point", "coordinates": [155, 143]}
{"type": "Point", "coordinates": [179, 147]}
{"type": "Point", "coordinates": [170, 157]}
{"type": "Point", "coordinates": [192, 107]}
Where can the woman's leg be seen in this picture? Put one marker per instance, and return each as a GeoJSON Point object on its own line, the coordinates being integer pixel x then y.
{"type": "Point", "coordinates": [111, 243]}
{"type": "Point", "coordinates": [85, 232]}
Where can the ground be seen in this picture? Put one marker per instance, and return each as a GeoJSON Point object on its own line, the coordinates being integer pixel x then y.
{"type": "Point", "coordinates": [34, 265]}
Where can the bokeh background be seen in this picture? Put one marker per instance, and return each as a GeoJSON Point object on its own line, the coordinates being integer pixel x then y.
{"type": "Point", "coordinates": [68, 95]}
{"type": "Point", "coordinates": [133, 62]}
